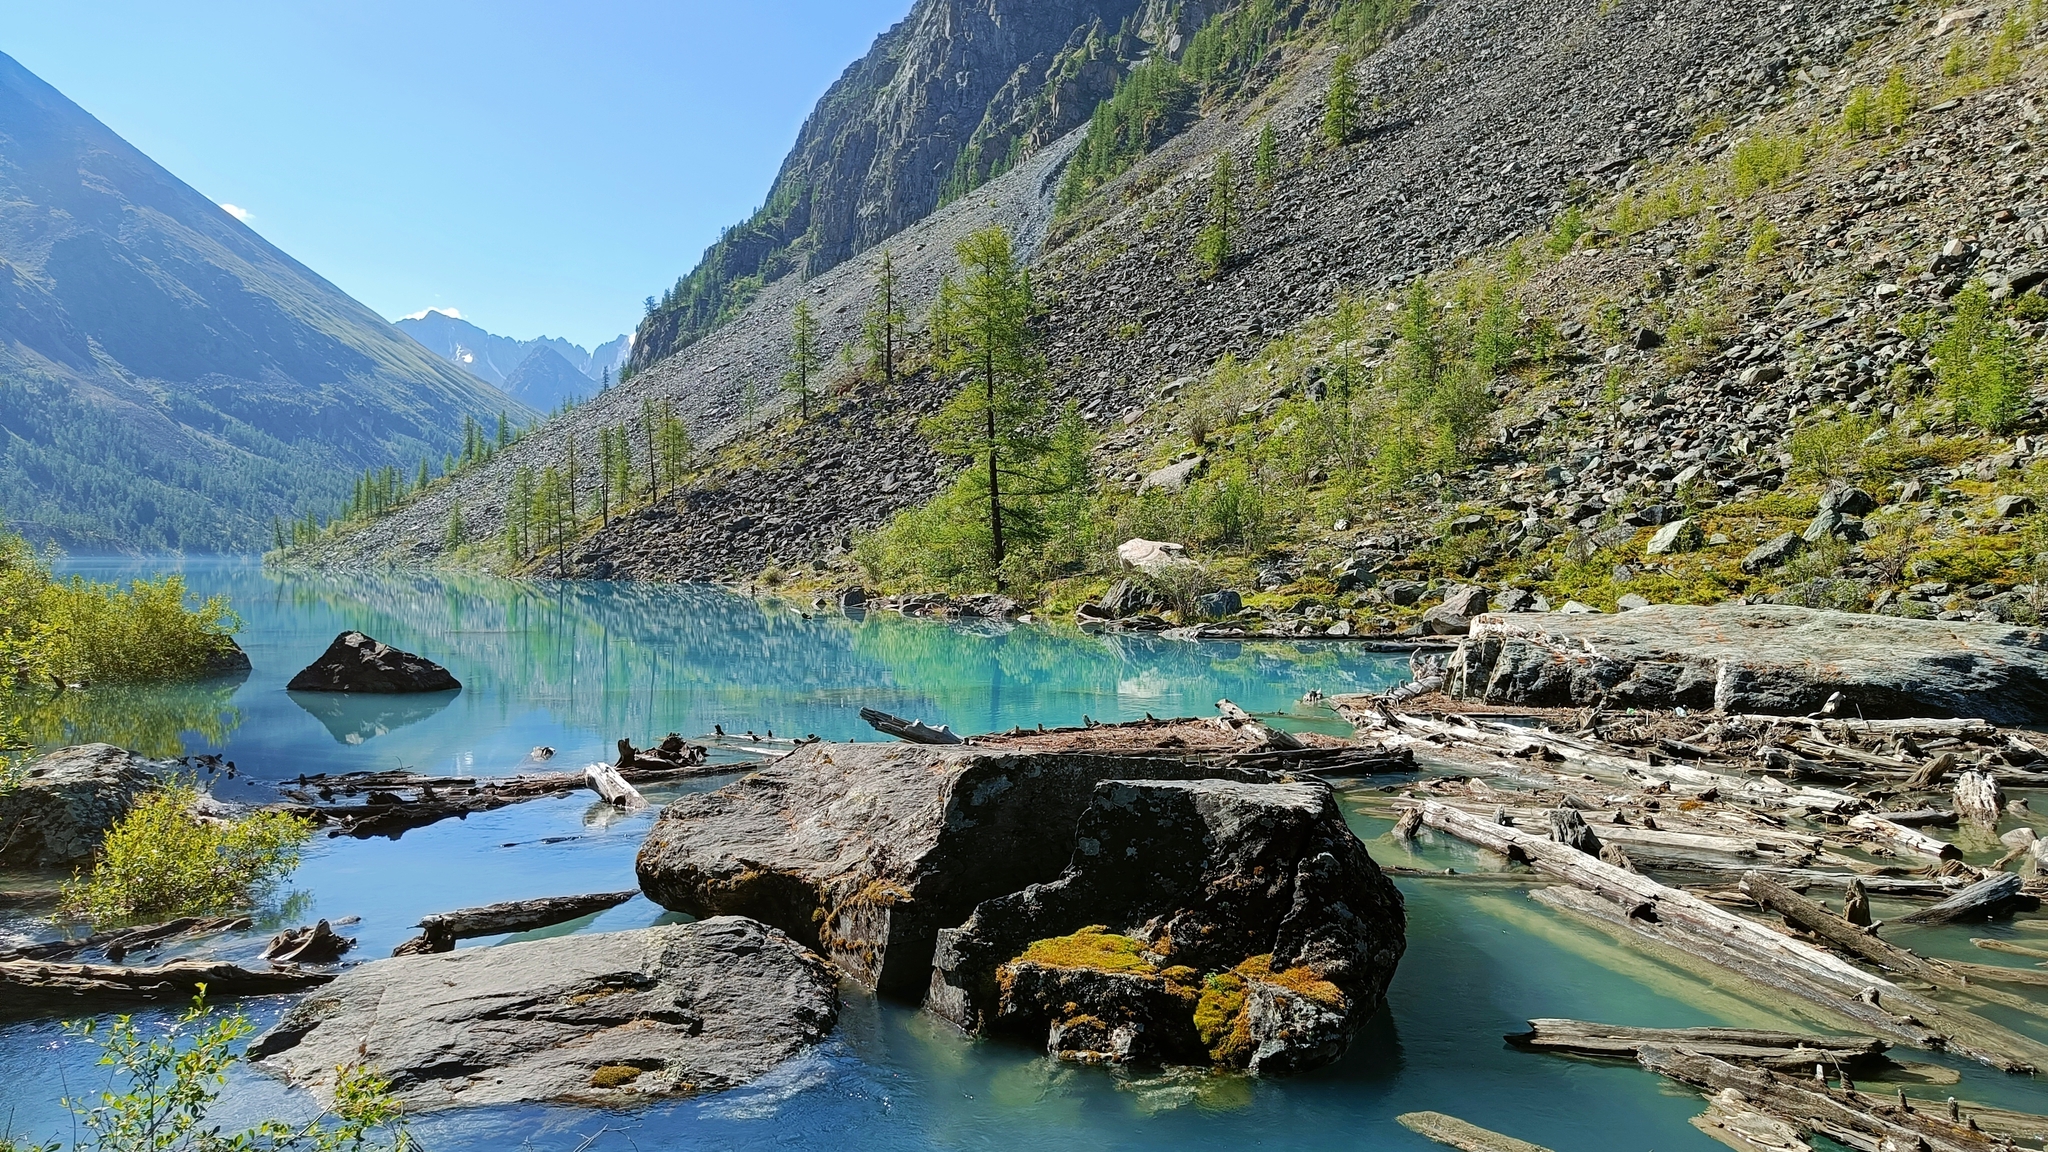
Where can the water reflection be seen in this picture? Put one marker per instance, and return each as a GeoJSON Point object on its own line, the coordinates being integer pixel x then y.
{"type": "Point", "coordinates": [156, 722]}
{"type": "Point", "coordinates": [355, 718]}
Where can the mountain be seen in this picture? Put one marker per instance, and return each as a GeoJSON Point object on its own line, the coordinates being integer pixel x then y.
{"type": "Point", "coordinates": [954, 95]}
{"type": "Point", "coordinates": [544, 379]}
{"type": "Point", "coordinates": [169, 379]}
{"type": "Point", "coordinates": [492, 357]}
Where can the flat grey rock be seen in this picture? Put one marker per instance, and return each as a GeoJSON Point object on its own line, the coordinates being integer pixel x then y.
{"type": "Point", "coordinates": [1776, 659]}
{"type": "Point", "coordinates": [693, 1007]}
{"type": "Point", "coordinates": [67, 801]}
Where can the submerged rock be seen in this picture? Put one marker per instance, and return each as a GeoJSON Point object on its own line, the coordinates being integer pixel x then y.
{"type": "Point", "coordinates": [66, 802]}
{"type": "Point", "coordinates": [356, 663]}
{"type": "Point", "coordinates": [1774, 659]}
{"type": "Point", "coordinates": [1198, 920]}
{"type": "Point", "coordinates": [866, 851]}
{"type": "Point", "coordinates": [619, 1018]}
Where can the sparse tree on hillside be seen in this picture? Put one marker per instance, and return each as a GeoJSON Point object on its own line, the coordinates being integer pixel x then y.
{"type": "Point", "coordinates": [457, 533]}
{"type": "Point", "coordinates": [981, 327]}
{"type": "Point", "coordinates": [648, 423]}
{"type": "Point", "coordinates": [504, 430]}
{"type": "Point", "coordinates": [674, 444]}
{"type": "Point", "coordinates": [569, 488]}
{"type": "Point", "coordinates": [1340, 112]}
{"type": "Point", "coordinates": [1212, 247]}
{"type": "Point", "coordinates": [1266, 169]}
{"type": "Point", "coordinates": [804, 356]}
{"type": "Point", "coordinates": [884, 324]}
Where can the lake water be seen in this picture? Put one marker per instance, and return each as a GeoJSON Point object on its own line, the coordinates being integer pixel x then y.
{"type": "Point", "coordinates": [575, 667]}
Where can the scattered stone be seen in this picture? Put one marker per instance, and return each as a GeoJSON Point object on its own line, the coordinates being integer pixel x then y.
{"type": "Point", "coordinates": [1173, 477]}
{"type": "Point", "coordinates": [853, 598]}
{"type": "Point", "coordinates": [66, 802]}
{"type": "Point", "coordinates": [1152, 556]}
{"type": "Point", "coordinates": [1405, 593]}
{"type": "Point", "coordinates": [1677, 536]}
{"type": "Point", "coordinates": [1126, 598]}
{"type": "Point", "coordinates": [1574, 608]}
{"type": "Point", "coordinates": [2006, 507]}
{"type": "Point", "coordinates": [1631, 601]}
{"type": "Point", "coordinates": [1453, 617]}
{"type": "Point", "coordinates": [1219, 605]}
{"type": "Point", "coordinates": [692, 1008]}
{"type": "Point", "coordinates": [1848, 502]}
{"type": "Point", "coordinates": [356, 663]}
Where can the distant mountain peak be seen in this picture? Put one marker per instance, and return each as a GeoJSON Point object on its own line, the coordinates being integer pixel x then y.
{"type": "Point", "coordinates": [493, 358]}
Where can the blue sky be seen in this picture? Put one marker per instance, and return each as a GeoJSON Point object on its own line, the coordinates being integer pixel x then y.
{"type": "Point", "coordinates": [539, 167]}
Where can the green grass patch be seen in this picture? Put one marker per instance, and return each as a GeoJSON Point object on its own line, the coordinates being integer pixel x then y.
{"type": "Point", "coordinates": [1094, 947]}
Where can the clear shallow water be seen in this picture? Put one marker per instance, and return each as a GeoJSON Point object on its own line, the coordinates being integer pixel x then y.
{"type": "Point", "coordinates": [575, 667]}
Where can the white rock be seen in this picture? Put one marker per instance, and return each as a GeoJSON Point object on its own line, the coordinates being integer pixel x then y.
{"type": "Point", "coordinates": [1152, 555]}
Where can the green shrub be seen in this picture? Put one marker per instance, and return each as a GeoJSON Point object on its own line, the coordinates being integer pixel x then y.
{"type": "Point", "coordinates": [1830, 449]}
{"type": "Point", "coordinates": [1859, 115]}
{"type": "Point", "coordinates": [160, 861]}
{"type": "Point", "coordinates": [1765, 159]}
{"type": "Point", "coordinates": [1981, 363]}
{"type": "Point", "coordinates": [1895, 101]}
{"type": "Point", "coordinates": [1566, 230]}
{"type": "Point", "coordinates": [163, 1086]}
{"type": "Point", "coordinates": [81, 630]}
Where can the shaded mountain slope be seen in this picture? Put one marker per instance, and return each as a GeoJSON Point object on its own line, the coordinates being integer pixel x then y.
{"type": "Point", "coordinates": [168, 379]}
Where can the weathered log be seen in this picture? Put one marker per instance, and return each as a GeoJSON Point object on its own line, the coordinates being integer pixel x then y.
{"type": "Point", "coordinates": [118, 944]}
{"type": "Point", "coordinates": [909, 731]}
{"type": "Point", "coordinates": [1789, 1051]}
{"type": "Point", "coordinates": [2011, 949]}
{"type": "Point", "coordinates": [440, 932]}
{"type": "Point", "coordinates": [1978, 799]}
{"type": "Point", "coordinates": [604, 779]}
{"type": "Point", "coordinates": [1862, 943]}
{"type": "Point", "coordinates": [1988, 899]}
{"type": "Point", "coordinates": [1263, 734]}
{"type": "Point", "coordinates": [1732, 1120]}
{"type": "Point", "coordinates": [319, 944]}
{"type": "Point", "coordinates": [1900, 838]}
{"type": "Point", "coordinates": [1856, 904]}
{"type": "Point", "coordinates": [1569, 828]}
{"type": "Point", "coordinates": [1458, 1134]}
{"type": "Point", "coordinates": [37, 981]}
{"type": "Point", "coordinates": [1845, 1116]}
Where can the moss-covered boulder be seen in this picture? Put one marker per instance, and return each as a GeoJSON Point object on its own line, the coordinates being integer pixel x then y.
{"type": "Point", "coordinates": [1207, 920]}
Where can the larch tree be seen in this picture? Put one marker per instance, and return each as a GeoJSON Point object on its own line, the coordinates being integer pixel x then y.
{"type": "Point", "coordinates": [804, 356]}
{"type": "Point", "coordinates": [883, 328]}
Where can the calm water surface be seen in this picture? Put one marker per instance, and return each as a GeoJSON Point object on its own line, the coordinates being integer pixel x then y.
{"type": "Point", "coordinates": [577, 666]}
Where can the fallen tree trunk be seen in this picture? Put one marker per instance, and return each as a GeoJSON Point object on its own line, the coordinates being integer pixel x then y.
{"type": "Point", "coordinates": [1845, 1116]}
{"type": "Point", "coordinates": [605, 780]}
{"type": "Point", "coordinates": [910, 731]}
{"type": "Point", "coordinates": [1989, 899]}
{"type": "Point", "coordinates": [38, 982]}
{"type": "Point", "coordinates": [1900, 838]}
{"type": "Point", "coordinates": [440, 932]}
{"type": "Point", "coordinates": [1787, 1051]}
{"type": "Point", "coordinates": [1458, 1134]}
{"type": "Point", "coordinates": [117, 945]}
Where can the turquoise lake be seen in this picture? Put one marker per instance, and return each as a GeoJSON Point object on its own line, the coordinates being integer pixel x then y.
{"type": "Point", "coordinates": [575, 667]}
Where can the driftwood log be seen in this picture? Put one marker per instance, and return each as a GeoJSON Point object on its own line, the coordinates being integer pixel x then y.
{"type": "Point", "coordinates": [909, 731]}
{"type": "Point", "coordinates": [117, 945]}
{"type": "Point", "coordinates": [1978, 799]}
{"type": "Point", "coordinates": [609, 784]}
{"type": "Point", "coordinates": [1787, 1051]}
{"type": "Point", "coordinates": [440, 932]}
{"type": "Point", "coordinates": [38, 982]}
{"type": "Point", "coordinates": [1458, 1134]}
{"type": "Point", "coordinates": [1989, 899]}
{"type": "Point", "coordinates": [319, 944]}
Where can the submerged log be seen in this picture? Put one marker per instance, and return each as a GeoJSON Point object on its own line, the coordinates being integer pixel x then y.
{"type": "Point", "coordinates": [118, 944]}
{"type": "Point", "coordinates": [1460, 1135]}
{"type": "Point", "coordinates": [37, 981]}
{"type": "Point", "coordinates": [1789, 1051]}
{"type": "Point", "coordinates": [440, 932]}
{"type": "Point", "coordinates": [2000, 895]}
{"type": "Point", "coordinates": [1846, 1116]}
{"type": "Point", "coordinates": [1844, 936]}
{"type": "Point", "coordinates": [909, 731]}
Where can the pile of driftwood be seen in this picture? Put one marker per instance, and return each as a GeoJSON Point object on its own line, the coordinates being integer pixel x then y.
{"type": "Point", "coordinates": [1233, 737]}
{"type": "Point", "coordinates": [1714, 839]}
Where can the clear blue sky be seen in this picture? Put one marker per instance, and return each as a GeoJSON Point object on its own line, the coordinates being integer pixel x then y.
{"type": "Point", "coordinates": [539, 166]}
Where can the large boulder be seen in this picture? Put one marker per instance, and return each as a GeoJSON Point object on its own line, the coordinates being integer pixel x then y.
{"type": "Point", "coordinates": [866, 851]}
{"type": "Point", "coordinates": [1203, 920]}
{"type": "Point", "coordinates": [617, 1019]}
{"type": "Point", "coordinates": [67, 800]}
{"type": "Point", "coordinates": [1764, 658]}
{"type": "Point", "coordinates": [356, 663]}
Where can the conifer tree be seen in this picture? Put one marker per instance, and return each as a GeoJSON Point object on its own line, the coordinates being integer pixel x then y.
{"type": "Point", "coordinates": [1212, 247]}
{"type": "Point", "coordinates": [647, 425]}
{"type": "Point", "coordinates": [884, 324]}
{"type": "Point", "coordinates": [674, 444]}
{"type": "Point", "coordinates": [804, 356]}
{"type": "Point", "coordinates": [1266, 169]}
{"type": "Point", "coordinates": [1340, 113]}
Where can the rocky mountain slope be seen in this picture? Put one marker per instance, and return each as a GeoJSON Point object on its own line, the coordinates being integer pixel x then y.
{"type": "Point", "coordinates": [956, 93]}
{"type": "Point", "coordinates": [167, 378]}
{"type": "Point", "coordinates": [493, 358]}
{"type": "Point", "coordinates": [1759, 286]}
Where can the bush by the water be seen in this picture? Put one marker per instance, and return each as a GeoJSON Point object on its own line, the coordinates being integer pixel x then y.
{"type": "Point", "coordinates": [161, 1088]}
{"type": "Point", "coordinates": [161, 861]}
{"type": "Point", "coordinates": [87, 631]}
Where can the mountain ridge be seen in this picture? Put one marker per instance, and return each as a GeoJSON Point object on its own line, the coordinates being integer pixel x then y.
{"type": "Point", "coordinates": [492, 358]}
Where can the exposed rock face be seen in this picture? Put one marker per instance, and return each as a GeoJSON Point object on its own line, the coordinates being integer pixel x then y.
{"type": "Point", "coordinates": [866, 851]}
{"type": "Point", "coordinates": [1251, 928]}
{"type": "Point", "coordinates": [356, 663]}
{"type": "Point", "coordinates": [1757, 658]}
{"type": "Point", "coordinates": [67, 801]}
{"type": "Point", "coordinates": [618, 1018]}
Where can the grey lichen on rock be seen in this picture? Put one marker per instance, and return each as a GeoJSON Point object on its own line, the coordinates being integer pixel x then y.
{"type": "Point", "coordinates": [616, 1018]}
{"type": "Point", "coordinates": [66, 802]}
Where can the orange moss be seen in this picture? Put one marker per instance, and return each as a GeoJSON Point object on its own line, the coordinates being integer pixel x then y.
{"type": "Point", "coordinates": [614, 1076]}
{"type": "Point", "coordinates": [1093, 947]}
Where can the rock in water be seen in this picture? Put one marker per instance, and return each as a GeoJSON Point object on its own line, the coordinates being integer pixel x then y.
{"type": "Point", "coordinates": [1768, 658]}
{"type": "Point", "coordinates": [618, 1018]}
{"type": "Point", "coordinates": [66, 802]}
{"type": "Point", "coordinates": [356, 663]}
{"type": "Point", "coordinates": [866, 851]}
{"type": "Point", "coordinates": [1205, 920]}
